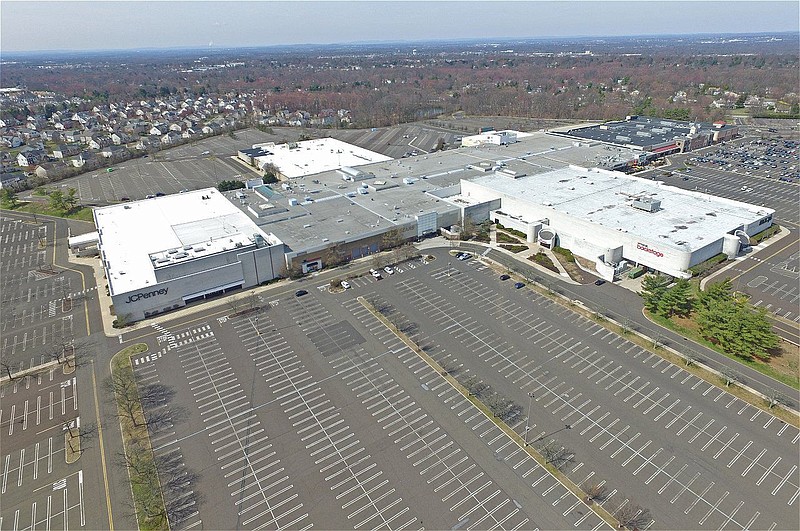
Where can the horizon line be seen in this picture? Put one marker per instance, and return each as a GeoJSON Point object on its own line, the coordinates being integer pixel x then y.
{"type": "Point", "coordinates": [384, 42]}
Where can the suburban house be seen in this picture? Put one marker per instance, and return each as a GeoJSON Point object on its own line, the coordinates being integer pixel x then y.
{"type": "Point", "coordinates": [31, 157]}
{"type": "Point", "coordinates": [63, 151]}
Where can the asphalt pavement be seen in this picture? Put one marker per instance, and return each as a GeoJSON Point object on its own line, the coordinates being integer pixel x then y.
{"type": "Point", "coordinates": [623, 306]}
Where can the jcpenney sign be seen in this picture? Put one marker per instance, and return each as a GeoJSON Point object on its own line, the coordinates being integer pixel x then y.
{"type": "Point", "coordinates": [645, 248]}
{"type": "Point", "coordinates": [146, 295]}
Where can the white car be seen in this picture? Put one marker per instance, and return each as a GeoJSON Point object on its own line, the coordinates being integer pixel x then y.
{"type": "Point", "coordinates": [389, 270]}
{"type": "Point", "coordinates": [376, 274]}
{"type": "Point", "coordinates": [345, 284]}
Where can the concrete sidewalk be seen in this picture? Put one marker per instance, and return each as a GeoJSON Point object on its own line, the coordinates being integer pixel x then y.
{"type": "Point", "coordinates": [355, 267]}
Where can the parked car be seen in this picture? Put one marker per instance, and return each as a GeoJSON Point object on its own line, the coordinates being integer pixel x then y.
{"type": "Point", "coordinates": [599, 282]}
{"type": "Point", "coordinates": [300, 293]}
{"type": "Point", "coordinates": [345, 284]}
{"type": "Point", "coordinates": [389, 270]}
{"type": "Point", "coordinates": [504, 277]}
{"type": "Point", "coordinates": [519, 285]}
{"type": "Point", "coordinates": [377, 275]}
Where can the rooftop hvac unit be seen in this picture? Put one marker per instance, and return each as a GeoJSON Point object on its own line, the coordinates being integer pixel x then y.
{"type": "Point", "coordinates": [623, 138]}
{"type": "Point", "coordinates": [647, 204]}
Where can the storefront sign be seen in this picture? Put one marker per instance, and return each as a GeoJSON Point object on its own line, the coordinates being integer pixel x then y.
{"type": "Point", "coordinates": [645, 248]}
{"type": "Point", "coordinates": [146, 295]}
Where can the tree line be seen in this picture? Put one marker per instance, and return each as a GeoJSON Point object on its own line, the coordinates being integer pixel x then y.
{"type": "Point", "coordinates": [722, 316]}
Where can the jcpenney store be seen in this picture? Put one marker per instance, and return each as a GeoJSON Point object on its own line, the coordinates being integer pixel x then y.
{"type": "Point", "coordinates": [163, 253]}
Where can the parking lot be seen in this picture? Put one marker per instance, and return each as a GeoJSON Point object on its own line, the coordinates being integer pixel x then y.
{"type": "Point", "coordinates": [780, 196]}
{"type": "Point", "coordinates": [768, 158]}
{"type": "Point", "coordinates": [39, 300]}
{"type": "Point", "coordinates": [695, 455]}
{"type": "Point", "coordinates": [313, 413]}
{"type": "Point", "coordinates": [206, 162]}
{"type": "Point", "coordinates": [189, 167]}
{"type": "Point", "coordinates": [400, 141]}
{"type": "Point", "coordinates": [39, 489]}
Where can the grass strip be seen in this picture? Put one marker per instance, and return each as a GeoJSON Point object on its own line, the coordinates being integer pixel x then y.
{"type": "Point", "coordinates": [532, 452]}
{"type": "Point", "coordinates": [763, 368]}
{"type": "Point", "coordinates": [646, 343]}
{"type": "Point", "coordinates": [78, 213]}
{"type": "Point", "coordinates": [142, 472]}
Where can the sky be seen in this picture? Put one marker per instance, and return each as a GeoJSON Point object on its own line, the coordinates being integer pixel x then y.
{"type": "Point", "coordinates": [32, 25]}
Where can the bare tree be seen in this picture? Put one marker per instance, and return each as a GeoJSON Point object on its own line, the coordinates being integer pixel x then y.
{"type": "Point", "coordinates": [775, 397]}
{"type": "Point", "coordinates": [377, 261]}
{"type": "Point", "coordinates": [84, 434]}
{"type": "Point", "coordinates": [594, 491]}
{"type": "Point", "coordinates": [632, 516]}
{"type": "Point", "coordinates": [730, 376]}
{"type": "Point", "coordinates": [72, 354]}
{"type": "Point", "coordinates": [123, 387]}
{"type": "Point", "coordinates": [7, 367]}
{"type": "Point", "coordinates": [691, 359]}
{"type": "Point", "coordinates": [555, 454]}
{"type": "Point", "coordinates": [335, 256]}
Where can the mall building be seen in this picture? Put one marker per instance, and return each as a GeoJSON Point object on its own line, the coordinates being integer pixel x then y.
{"type": "Point", "coordinates": [163, 253]}
{"type": "Point", "coordinates": [613, 219]}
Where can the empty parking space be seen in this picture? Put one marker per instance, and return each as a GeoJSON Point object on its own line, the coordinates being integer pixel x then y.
{"type": "Point", "coordinates": [441, 456]}
{"type": "Point", "coordinates": [576, 369]}
{"type": "Point", "coordinates": [307, 419]}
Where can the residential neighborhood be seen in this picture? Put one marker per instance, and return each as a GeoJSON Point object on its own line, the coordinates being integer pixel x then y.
{"type": "Point", "coordinates": [54, 137]}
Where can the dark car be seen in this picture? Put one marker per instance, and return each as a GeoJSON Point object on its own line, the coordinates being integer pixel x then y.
{"type": "Point", "coordinates": [599, 282]}
{"type": "Point", "coordinates": [300, 293]}
{"type": "Point", "coordinates": [519, 285]}
{"type": "Point", "coordinates": [504, 277]}
{"type": "Point", "coordinates": [124, 198]}
{"type": "Point", "coordinates": [160, 194]}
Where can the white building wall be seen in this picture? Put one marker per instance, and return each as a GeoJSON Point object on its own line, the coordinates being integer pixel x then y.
{"type": "Point", "coordinates": [168, 295]}
{"type": "Point", "coordinates": [182, 280]}
{"type": "Point", "coordinates": [589, 240]}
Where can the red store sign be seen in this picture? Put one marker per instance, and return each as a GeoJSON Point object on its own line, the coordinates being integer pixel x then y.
{"type": "Point", "coordinates": [645, 248]}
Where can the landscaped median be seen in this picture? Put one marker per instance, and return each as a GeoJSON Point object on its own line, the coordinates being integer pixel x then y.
{"type": "Point", "coordinates": [138, 458]}
{"type": "Point", "coordinates": [691, 363]}
{"type": "Point", "coordinates": [553, 471]}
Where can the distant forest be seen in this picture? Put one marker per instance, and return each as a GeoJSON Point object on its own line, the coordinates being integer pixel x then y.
{"type": "Point", "coordinates": [389, 83]}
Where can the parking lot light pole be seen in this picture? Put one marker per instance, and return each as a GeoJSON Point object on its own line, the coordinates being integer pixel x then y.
{"type": "Point", "coordinates": [528, 418]}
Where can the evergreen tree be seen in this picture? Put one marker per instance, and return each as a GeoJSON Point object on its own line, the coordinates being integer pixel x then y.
{"type": "Point", "coordinates": [8, 198]}
{"type": "Point", "coordinates": [57, 200]}
{"type": "Point", "coordinates": [70, 200]}
{"type": "Point", "coordinates": [653, 288]}
{"type": "Point", "coordinates": [738, 328]}
{"type": "Point", "coordinates": [676, 300]}
{"type": "Point", "coordinates": [714, 293]}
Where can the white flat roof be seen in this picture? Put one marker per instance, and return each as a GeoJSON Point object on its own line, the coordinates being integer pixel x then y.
{"type": "Point", "coordinates": [308, 157]}
{"type": "Point", "coordinates": [687, 220]}
{"type": "Point", "coordinates": [137, 237]}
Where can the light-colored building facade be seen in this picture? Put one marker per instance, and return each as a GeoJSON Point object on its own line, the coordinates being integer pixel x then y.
{"type": "Point", "coordinates": [162, 253]}
{"type": "Point", "coordinates": [615, 219]}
